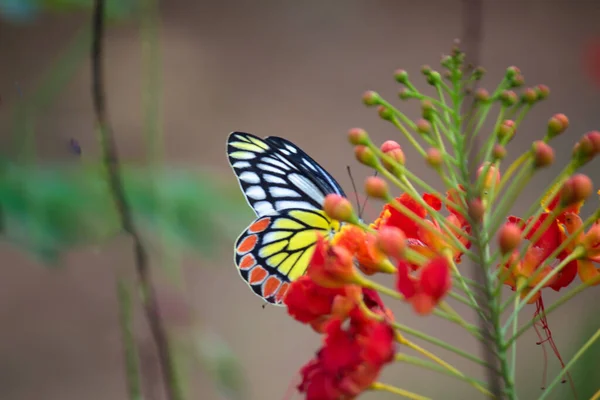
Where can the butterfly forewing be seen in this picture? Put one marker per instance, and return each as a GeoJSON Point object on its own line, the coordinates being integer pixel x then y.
{"type": "Point", "coordinates": [285, 187]}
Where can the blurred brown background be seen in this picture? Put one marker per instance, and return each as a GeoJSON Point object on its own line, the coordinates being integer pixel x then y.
{"type": "Point", "coordinates": [291, 68]}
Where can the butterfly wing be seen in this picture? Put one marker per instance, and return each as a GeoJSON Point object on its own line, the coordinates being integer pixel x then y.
{"type": "Point", "coordinates": [285, 187]}
{"type": "Point", "coordinates": [274, 174]}
{"type": "Point", "coordinates": [276, 249]}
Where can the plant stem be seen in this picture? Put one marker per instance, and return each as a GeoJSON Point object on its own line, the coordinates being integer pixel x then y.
{"type": "Point", "coordinates": [113, 169]}
{"type": "Point", "coordinates": [570, 364]}
{"type": "Point", "coordinates": [131, 355]}
{"type": "Point", "coordinates": [434, 367]}
{"type": "Point", "coordinates": [396, 390]}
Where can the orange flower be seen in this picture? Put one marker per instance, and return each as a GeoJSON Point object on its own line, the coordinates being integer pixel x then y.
{"type": "Point", "coordinates": [524, 269]}
{"type": "Point", "coordinates": [590, 241]}
{"type": "Point", "coordinates": [362, 245]}
{"type": "Point", "coordinates": [331, 266]}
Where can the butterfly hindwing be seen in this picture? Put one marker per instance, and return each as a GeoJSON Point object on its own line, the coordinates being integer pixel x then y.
{"type": "Point", "coordinates": [276, 249]}
{"type": "Point", "coordinates": [276, 175]}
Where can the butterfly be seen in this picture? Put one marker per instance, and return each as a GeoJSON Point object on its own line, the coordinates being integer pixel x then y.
{"type": "Point", "coordinates": [286, 188]}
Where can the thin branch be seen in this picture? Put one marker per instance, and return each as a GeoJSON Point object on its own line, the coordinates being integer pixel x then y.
{"type": "Point", "coordinates": [111, 163]}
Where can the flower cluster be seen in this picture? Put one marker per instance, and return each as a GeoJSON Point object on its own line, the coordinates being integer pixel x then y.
{"type": "Point", "coordinates": [423, 247]}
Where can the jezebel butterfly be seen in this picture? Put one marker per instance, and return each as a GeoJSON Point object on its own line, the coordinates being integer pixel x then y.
{"type": "Point", "coordinates": [285, 187]}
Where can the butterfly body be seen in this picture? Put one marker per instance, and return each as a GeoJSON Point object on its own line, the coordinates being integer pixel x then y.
{"type": "Point", "coordinates": [285, 187]}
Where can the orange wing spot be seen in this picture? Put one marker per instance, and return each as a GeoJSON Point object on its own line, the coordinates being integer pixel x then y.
{"type": "Point", "coordinates": [257, 275]}
{"type": "Point", "coordinates": [281, 294]}
{"type": "Point", "coordinates": [247, 244]}
{"type": "Point", "coordinates": [260, 225]}
{"type": "Point", "coordinates": [270, 286]}
{"type": "Point", "coordinates": [247, 261]}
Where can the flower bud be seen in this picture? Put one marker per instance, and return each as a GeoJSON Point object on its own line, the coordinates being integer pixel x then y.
{"type": "Point", "coordinates": [391, 241]}
{"type": "Point", "coordinates": [509, 237]}
{"type": "Point", "coordinates": [446, 61]}
{"type": "Point", "coordinates": [358, 136]}
{"type": "Point", "coordinates": [434, 78]}
{"type": "Point", "coordinates": [511, 72]}
{"type": "Point", "coordinates": [423, 127]}
{"type": "Point", "coordinates": [543, 154]}
{"type": "Point", "coordinates": [587, 147]}
{"type": "Point", "coordinates": [426, 70]}
{"type": "Point", "coordinates": [339, 208]}
{"type": "Point", "coordinates": [543, 91]}
{"type": "Point", "coordinates": [371, 98]}
{"type": "Point", "coordinates": [575, 190]}
{"type": "Point", "coordinates": [365, 156]}
{"type": "Point", "coordinates": [405, 93]}
{"type": "Point", "coordinates": [506, 130]}
{"type": "Point", "coordinates": [434, 157]}
{"type": "Point", "coordinates": [385, 113]}
{"type": "Point", "coordinates": [393, 150]}
{"type": "Point", "coordinates": [508, 98]}
{"type": "Point", "coordinates": [492, 176]}
{"type": "Point", "coordinates": [529, 96]}
{"type": "Point", "coordinates": [499, 152]}
{"type": "Point", "coordinates": [482, 95]}
{"type": "Point", "coordinates": [376, 187]}
{"type": "Point", "coordinates": [476, 209]}
{"type": "Point", "coordinates": [401, 76]}
{"type": "Point", "coordinates": [478, 73]}
{"type": "Point", "coordinates": [427, 110]}
{"type": "Point", "coordinates": [517, 81]}
{"type": "Point", "coordinates": [557, 125]}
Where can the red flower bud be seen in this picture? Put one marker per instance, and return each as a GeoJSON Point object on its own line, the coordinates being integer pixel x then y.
{"type": "Point", "coordinates": [376, 187]}
{"type": "Point", "coordinates": [575, 190]}
{"type": "Point", "coordinates": [339, 208]}
{"type": "Point", "coordinates": [508, 98]}
{"type": "Point", "coordinates": [385, 113]}
{"type": "Point", "coordinates": [476, 209]}
{"type": "Point", "coordinates": [509, 237]}
{"type": "Point", "coordinates": [482, 95]}
{"type": "Point", "coordinates": [391, 241]}
{"type": "Point", "coordinates": [506, 130]}
{"type": "Point", "coordinates": [543, 91]}
{"type": "Point", "coordinates": [358, 136]}
{"type": "Point", "coordinates": [371, 98]}
{"type": "Point", "coordinates": [393, 150]}
{"type": "Point", "coordinates": [434, 157]}
{"type": "Point", "coordinates": [423, 126]}
{"type": "Point", "coordinates": [529, 96]}
{"type": "Point", "coordinates": [492, 176]}
{"type": "Point", "coordinates": [365, 156]}
{"type": "Point", "coordinates": [543, 154]}
{"type": "Point", "coordinates": [401, 76]}
{"type": "Point", "coordinates": [557, 125]}
{"type": "Point", "coordinates": [499, 152]}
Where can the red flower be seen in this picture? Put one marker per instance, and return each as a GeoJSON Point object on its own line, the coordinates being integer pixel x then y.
{"type": "Point", "coordinates": [350, 359]}
{"type": "Point", "coordinates": [310, 303]}
{"type": "Point", "coordinates": [432, 285]}
{"type": "Point", "coordinates": [331, 266]}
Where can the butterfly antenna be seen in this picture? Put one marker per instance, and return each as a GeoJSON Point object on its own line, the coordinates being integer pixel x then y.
{"type": "Point", "coordinates": [544, 324]}
{"type": "Point", "coordinates": [355, 191]}
{"type": "Point", "coordinates": [366, 198]}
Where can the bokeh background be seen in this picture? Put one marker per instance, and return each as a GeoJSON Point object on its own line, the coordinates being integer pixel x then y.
{"type": "Point", "coordinates": [289, 68]}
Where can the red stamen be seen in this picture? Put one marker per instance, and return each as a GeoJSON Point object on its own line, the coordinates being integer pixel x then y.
{"type": "Point", "coordinates": [544, 324]}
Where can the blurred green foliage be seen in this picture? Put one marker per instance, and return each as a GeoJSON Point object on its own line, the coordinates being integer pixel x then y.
{"type": "Point", "coordinates": [51, 209]}
{"type": "Point", "coordinates": [27, 10]}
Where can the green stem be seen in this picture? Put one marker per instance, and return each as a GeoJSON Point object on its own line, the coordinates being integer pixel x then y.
{"type": "Point", "coordinates": [134, 387]}
{"type": "Point", "coordinates": [437, 368]}
{"type": "Point", "coordinates": [570, 364]}
{"type": "Point", "coordinates": [396, 390]}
